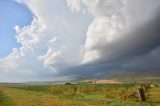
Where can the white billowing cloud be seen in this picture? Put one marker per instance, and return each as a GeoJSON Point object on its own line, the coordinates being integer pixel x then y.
{"type": "Point", "coordinates": [51, 59]}
{"type": "Point", "coordinates": [104, 7]}
{"type": "Point", "coordinates": [53, 41]}
{"type": "Point", "coordinates": [112, 23]}
{"type": "Point", "coordinates": [28, 37]}
{"type": "Point", "coordinates": [90, 56]}
{"type": "Point", "coordinates": [8, 64]}
{"type": "Point", "coordinates": [98, 36]}
{"type": "Point", "coordinates": [21, 64]}
{"type": "Point", "coordinates": [74, 4]}
{"type": "Point", "coordinates": [106, 27]}
{"type": "Point", "coordinates": [64, 33]}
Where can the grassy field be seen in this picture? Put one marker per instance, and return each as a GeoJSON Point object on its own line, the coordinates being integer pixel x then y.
{"type": "Point", "coordinates": [5, 100]}
{"type": "Point", "coordinates": [77, 95]}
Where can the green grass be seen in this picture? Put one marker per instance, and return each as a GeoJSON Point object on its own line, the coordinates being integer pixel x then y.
{"type": "Point", "coordinates": [79, 89]}
{"type": "Point", "coordinates": [5, 100]}
{"type": "Point", "coordinates": [99, 94]}
{"type": "Point", "coordinates": [35, 88]}
{"type": "Point", "coordinates": [96, 94]}
{"type": "Point", "coordinates": [154, 96]}
{"type": "Point", "coordinates": [31, 98]}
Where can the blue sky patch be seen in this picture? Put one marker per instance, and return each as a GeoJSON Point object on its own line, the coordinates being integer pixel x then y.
{"type": "Point", "coordinates": [11, 14]}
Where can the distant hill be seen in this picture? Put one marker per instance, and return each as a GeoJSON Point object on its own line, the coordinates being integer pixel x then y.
{"type": "Point", "coordinates": [136, 76]}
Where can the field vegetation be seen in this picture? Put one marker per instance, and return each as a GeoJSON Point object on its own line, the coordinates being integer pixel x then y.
{"type": "Point", "coordinates": [79, 95]}
{"type": "Point", "coordinates": [4, 100]}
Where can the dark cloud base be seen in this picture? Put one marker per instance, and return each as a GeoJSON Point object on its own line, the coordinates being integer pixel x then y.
{"type": "Point", "coordinates": [139, 52]}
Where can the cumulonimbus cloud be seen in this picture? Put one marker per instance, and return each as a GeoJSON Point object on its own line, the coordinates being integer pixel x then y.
{"type": "Point", "coordinates": [121, 32]}
{"type": "Point", "coordinates": [109, 35]}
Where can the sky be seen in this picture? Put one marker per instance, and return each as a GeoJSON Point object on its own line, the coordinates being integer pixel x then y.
{"type": "Point", "coordinates": [11, 14]}
{"type": "Point", "coordinates": [48, 40]}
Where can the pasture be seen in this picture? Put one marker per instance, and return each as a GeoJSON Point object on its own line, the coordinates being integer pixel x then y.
{"type": "Point", "coordinates": [78, 95]}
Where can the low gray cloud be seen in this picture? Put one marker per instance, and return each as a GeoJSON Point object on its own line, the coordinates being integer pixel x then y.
{"type": "Point", "coordinates": [138, 52]}
{"type": "Point", "coordinates": [139, 41]}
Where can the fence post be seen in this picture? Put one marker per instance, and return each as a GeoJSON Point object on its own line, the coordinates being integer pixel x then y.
{"type": "Point", "coordinates": [49, 88]}
{"type": "Point", "coordinates": [141, 94]}
{"type": "Point", "coordinates": [75, 89]}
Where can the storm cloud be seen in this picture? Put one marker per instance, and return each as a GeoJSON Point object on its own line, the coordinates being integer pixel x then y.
{"type": "Point", "coordinates": [123, 36]}
{"type": "Point", "coordinates": [76, 38]}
